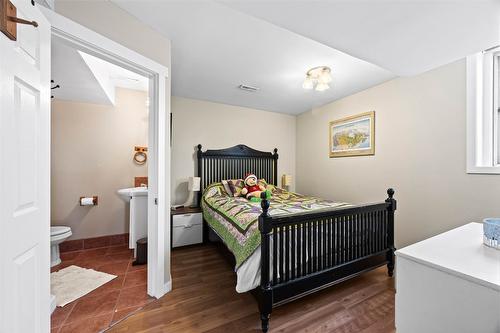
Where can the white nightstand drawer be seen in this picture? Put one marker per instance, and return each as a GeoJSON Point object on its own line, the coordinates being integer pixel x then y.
{"type": "Point", "coordinates": [187, 229]}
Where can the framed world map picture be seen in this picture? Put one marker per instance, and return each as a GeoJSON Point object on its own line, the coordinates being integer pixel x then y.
{"type": "Point", "coordinates": [353, 136]}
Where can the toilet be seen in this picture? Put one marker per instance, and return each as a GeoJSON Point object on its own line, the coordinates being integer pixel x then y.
{"type": "Point", "coordinates": [58, 235]}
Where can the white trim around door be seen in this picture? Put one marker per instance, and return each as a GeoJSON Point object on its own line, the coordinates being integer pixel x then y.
{"type": "Point", "coordinates": [159, 279]}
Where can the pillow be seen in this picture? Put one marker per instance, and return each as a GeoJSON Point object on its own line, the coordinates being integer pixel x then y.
{"type": "Point", "coordinates": [233, 187]}
{"type": "Point", "coordinates": [236, 185]}
{"type": "Point", "coordinates": [227, 188]}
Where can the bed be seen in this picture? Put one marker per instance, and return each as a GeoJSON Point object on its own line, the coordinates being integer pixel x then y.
{"type": "Point", "coordinates": [290, 245]}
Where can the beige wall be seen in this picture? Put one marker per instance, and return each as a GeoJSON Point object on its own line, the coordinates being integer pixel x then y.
{"type": "Point", "coordinates": [420, 151]}
{"type": "Point", "coordinates": [92, 149]}
{"type": "Point", "coordinates": [218, 126]}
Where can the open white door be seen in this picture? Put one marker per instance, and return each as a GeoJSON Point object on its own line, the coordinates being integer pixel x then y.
{"type": "Point", "coordinates": [25, 175]}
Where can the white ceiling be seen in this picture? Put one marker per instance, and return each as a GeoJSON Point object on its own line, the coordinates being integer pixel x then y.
{"type": "Point", "coordinates": [74, 77]}
{"type": "Point", "coordinates": [406, 37]}
{"type": "Point", "coordinates": [216, 48]}
{"type": "Point", "coordinates": [85, 78]}
{"type": "Point", "coordinates": [271, 44]}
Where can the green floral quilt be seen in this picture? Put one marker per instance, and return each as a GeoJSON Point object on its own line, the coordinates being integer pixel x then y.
{"type": "Point", "coordinates": [235, 219]}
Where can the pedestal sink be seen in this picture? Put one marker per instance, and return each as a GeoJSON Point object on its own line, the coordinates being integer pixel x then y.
{"type": "Point", "coordinates": [138, 199]}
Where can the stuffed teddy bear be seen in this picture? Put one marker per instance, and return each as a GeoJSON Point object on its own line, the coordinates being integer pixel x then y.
{"type": "Point", "coordinates": [252, 189]}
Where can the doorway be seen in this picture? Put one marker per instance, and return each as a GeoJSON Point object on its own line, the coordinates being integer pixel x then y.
{"type": "Point", "coordinates": [83, 39]}
{"type": "Point", "coordinates": [75, 35]}
{"type": "Point", "coordinates": [99, 169]}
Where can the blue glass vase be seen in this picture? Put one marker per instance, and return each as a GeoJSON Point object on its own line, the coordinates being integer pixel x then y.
{"type": "Point", "coordinates": [491, 230]}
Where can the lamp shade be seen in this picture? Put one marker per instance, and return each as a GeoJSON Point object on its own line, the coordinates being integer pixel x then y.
{"type": "Point", "coordinates": [194, 184]}
{"type": "Point", "coordinates": [325, 77]}
{"type": "Point", "coordinates": [286, 180]}
{"type": "Point", "coordinates": [322, 87]}
{"type": "Point", "coordinates": [308, 83]}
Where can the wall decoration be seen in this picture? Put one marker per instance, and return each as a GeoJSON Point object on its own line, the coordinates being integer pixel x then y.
{"type": "Point", "coordinates": [353, 136]}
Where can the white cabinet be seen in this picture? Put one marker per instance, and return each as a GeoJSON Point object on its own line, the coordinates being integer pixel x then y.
{"type": "Point", "coordinates": [448, 283]}
{"type": "Point", "coordinates": [187, 229]}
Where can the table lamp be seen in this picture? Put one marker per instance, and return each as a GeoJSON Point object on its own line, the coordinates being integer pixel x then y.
{"type": "Point", "coordinates": [193, 186]}
{"type": "Point", "coordinates": [286, 181]}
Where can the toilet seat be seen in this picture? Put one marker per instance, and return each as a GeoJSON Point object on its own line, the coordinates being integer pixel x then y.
{"type": "Point", "coordinates": [59, 230]}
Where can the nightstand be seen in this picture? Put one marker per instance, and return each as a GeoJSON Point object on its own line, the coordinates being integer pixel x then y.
{"type": "Point", "coordinates": [186, 226]}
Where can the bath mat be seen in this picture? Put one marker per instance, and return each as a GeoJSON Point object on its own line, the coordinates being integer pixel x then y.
{"type": "Point", "coordinates": [73, 282]}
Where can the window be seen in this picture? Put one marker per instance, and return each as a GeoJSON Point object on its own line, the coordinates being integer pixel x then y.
{"type": "Point", "coordinates": [483, 112]}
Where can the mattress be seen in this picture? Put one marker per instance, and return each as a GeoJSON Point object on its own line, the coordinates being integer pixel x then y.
{"type": "Point", "coordinates": [235, 221]}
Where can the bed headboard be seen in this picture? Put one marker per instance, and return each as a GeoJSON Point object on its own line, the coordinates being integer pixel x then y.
{"type": "Point", "coordinates": [234, 162]}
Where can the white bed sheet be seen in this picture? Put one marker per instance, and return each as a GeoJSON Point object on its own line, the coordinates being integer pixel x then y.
{"type": "Point", "coordinates": [248, 274]}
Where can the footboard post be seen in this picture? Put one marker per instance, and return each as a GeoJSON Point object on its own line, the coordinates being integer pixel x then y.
{"type": "Point", "coordinates": [266, 291]}
{"type": "Point", "coordinates": [391, 207]}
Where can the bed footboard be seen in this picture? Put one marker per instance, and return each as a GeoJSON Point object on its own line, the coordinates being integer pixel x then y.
{"type": "Point", "coordinates": [304, 253]}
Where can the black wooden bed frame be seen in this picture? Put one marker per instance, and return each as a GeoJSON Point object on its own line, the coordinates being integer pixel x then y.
{"type": "Point", "coordinates": [326, 247]}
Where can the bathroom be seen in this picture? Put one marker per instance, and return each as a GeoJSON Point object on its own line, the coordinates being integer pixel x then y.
{"type": "Point", "coordinates": [99, 169]}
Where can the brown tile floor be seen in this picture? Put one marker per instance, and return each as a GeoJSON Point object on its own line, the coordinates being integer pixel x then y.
{"type": "Point", "coordinates": [109, 303]}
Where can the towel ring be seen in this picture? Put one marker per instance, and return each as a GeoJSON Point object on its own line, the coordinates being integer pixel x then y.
{"type": "Point", "coordinates": [140, 157]}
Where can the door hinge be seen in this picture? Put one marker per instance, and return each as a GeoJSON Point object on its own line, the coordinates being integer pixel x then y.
{"type": "Point", "coordinates": [156, 201]}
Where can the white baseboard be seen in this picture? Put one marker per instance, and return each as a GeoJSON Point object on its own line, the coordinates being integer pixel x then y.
{"type": "Point", "coordinates": [52, 303]}
{"type": "Point", "coordinates": [167, 287]}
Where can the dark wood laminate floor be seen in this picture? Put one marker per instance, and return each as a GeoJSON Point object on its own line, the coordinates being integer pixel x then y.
{"type": "Point", "coordinates": [204, 299]}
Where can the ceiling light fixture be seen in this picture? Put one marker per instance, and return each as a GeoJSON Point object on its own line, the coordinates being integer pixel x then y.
{"type": "Point", "coordinates": [318, 78]}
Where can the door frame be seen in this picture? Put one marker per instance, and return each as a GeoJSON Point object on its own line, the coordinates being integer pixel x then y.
{"type": "Point", "coordinates": [74, 34]}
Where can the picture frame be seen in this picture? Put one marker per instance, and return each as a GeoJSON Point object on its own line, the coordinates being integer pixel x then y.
{"type": "Point", "coordinates": [352, 136]}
